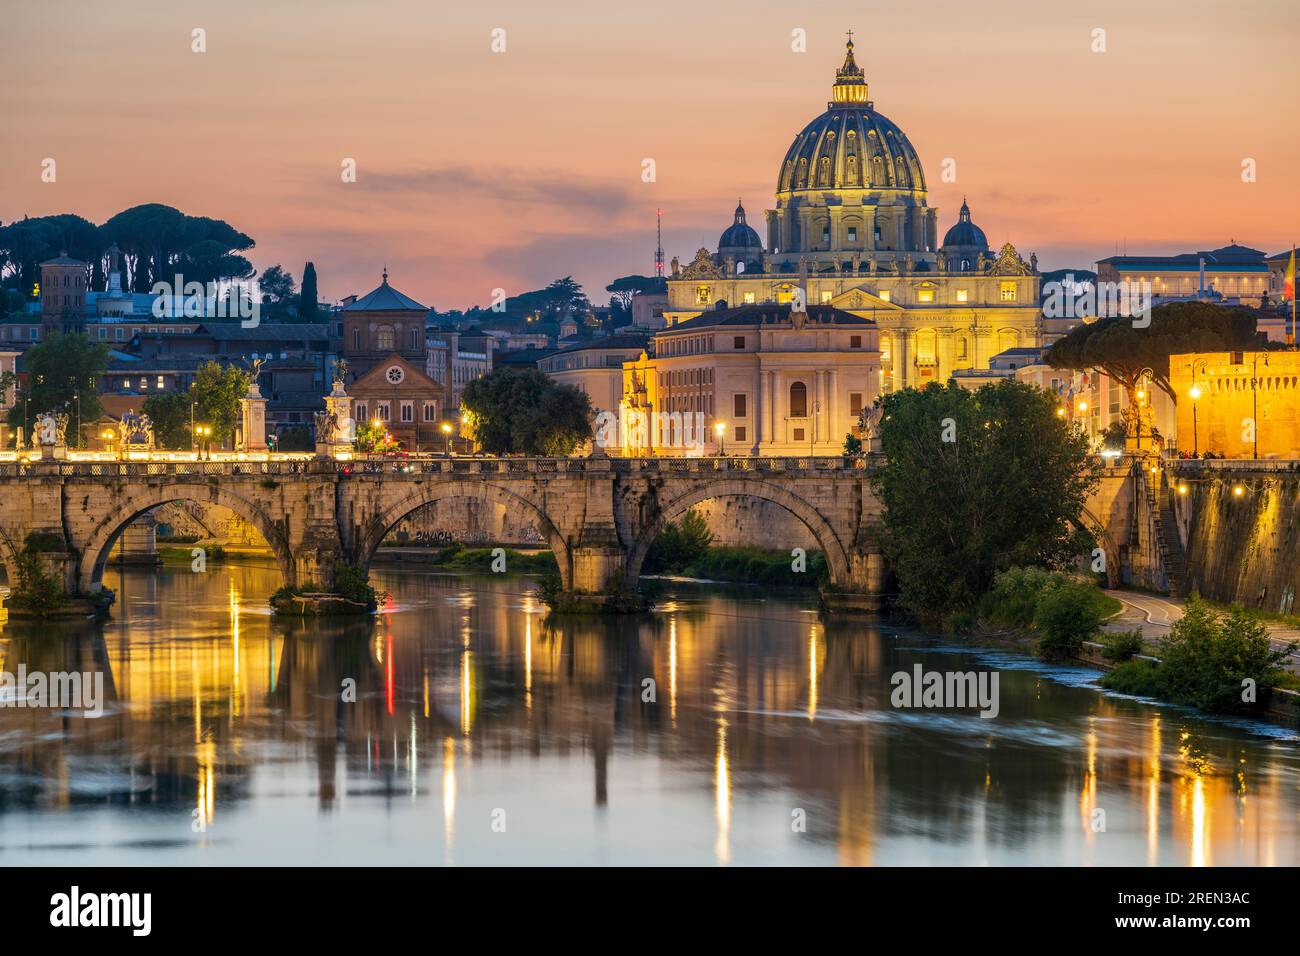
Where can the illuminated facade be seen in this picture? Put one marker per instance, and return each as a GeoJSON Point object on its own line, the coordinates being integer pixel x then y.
{"type": "Point", "coordinates": [1238, 404]}
{"type": "Point", "coordinates": [757, 380]}
{"type": "Point", "coordinates": [852, 229]}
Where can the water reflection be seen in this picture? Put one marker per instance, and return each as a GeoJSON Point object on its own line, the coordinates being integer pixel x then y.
{"type": "Point", "coordinates": [230, 737]}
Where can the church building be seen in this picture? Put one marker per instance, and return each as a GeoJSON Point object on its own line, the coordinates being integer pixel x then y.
{"type": "Point", "coordinates": [851, 229]}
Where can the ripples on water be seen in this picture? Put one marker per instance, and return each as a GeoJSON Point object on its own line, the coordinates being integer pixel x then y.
{"type": "Point", "coordinates": [482, 733]}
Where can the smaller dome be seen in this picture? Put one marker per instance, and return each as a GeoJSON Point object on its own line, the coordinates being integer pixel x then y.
{"type": "Point", "coordinates": [739, 235]}
{"type": "Point", "coordinates": [965, 232]}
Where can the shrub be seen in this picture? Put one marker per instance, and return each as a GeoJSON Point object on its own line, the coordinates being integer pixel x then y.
{"type": "Point", "coordinates": [352, 581]}
{"type": "Point", "coordinates": [36, 590]}
{"type": "Point", "coordinates": [679, 544]}
{"type": "Point", "coordinates": [1139, 678]}
{"type": "Point", "coordinates": [1014, 598]}
{"type": "Point", "coordinates": [1121, 645]}
{"type": "Point", "coordinates": [1207, 658]}
{"type": "Point", "coordinates": [1066, 616]}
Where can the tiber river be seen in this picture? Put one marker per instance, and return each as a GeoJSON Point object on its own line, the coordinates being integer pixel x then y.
{"type": "Point", "coordinates": [481, 734]}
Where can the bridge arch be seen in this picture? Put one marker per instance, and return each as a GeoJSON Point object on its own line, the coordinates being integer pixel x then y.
{"type": "Point", "coordinates": [98, 547]}
{"type": "Point", "coordinates": [376, 529]}
{"type": "Point", "coordinates": [837, 560]}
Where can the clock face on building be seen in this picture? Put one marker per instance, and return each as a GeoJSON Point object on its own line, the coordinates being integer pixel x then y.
{"type": "Point", "coordinates": [395, 374]}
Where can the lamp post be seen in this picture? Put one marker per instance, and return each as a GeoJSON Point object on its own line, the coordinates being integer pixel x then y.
{"type": "Point", "coordinates": [194, 438]}
{"type": "Point", "coordinates": [720, 429]}
{"type": "Point", "coordinates": [446, 438]}
{"type": "Point", "coordinates": [1195, 393]}
{"type": "Point", "coordinates": [107, 437]}
{"type": "Point", "coordinates": [205, 449]}
{"type": "Point", "coordinates": [1254, 400]}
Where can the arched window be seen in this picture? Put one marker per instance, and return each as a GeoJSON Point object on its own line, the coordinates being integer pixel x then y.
{"type": "Point", "coordinates": [798, 400]}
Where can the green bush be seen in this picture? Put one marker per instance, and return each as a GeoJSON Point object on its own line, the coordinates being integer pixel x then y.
{"type": "Point", "coordinates": [1014, 598]}
{"type": "Point", "coordinates": [1121, 645]}
{"type": "Point", "coordinates": [1065, 617]}
{"type": "Point", "coordinates": [679, 544]}
{"type": "Point", "coordinates": [1206, 658]}
{"type": "Point", "coordinates": [758, 566]}
{"type": "Point", "coordinates": [352, 581]}
{"type": "Point", "coordinates": [1139, 678]}
{"type": "Point", "coordinates": [36, 590]}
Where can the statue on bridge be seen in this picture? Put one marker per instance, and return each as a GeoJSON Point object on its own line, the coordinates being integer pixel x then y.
{"type": "Point", "coordinates": [327, 426]}
{"type": "Point", "coordinates": [137, 430]}
{"type": "Point", "coordinates": [869, 427]}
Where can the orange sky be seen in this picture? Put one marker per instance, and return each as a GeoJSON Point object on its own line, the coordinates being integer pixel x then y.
{"type": "Point", "coordinates": [479, 170]}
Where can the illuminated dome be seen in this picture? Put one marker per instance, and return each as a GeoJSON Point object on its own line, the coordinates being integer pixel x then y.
{"type": "Point", "coordinates": [850, 146]}
{"type": "Point", "coordinates": [740, 235]}
{"type": "Point", "coordinates": [850, 187]}
{"type": "Point", "coordinates": [965, 233]}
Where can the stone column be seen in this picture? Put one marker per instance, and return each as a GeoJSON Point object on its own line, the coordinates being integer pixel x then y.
{"type": "Point", "coordinates": [253, 419]}
{"type": "Point", "coordinates": [598, 557]}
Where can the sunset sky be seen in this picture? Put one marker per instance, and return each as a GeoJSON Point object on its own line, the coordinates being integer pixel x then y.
{"type": "Point", "coordinates": [479, 170]}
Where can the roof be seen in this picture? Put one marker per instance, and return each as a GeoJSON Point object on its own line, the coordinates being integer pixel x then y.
{"type": "Point", "coordinates": [63, 259]}
{"type": "Point", "coordinates": [1230, 258]}
{"type": "Point", "coordinates": [768, 314]}
{"type": "Point", "coordinates": [622, 341]}
{"type": "Point", "coordinates": [385, 299]}
{"type": "Point", "coordinates": [266, 332]}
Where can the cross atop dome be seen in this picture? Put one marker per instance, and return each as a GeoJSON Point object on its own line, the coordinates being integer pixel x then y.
{"type": "Point", "coordinates": [850, 83]}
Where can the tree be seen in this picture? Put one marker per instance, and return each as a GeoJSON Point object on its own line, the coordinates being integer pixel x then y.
{"type": "Point", "coordinates": [622, 289]}
{"type": "Point", "coordinates": [63, 375]}
{"type": "Point", "coordinates": [170, 413]}
{"type": "Point", "coordinates": [216, 391]}
{"type": "Point", "coordinates": [308, 306]}
{"type": "Point", "coordinates": [1123, 351]}
{"type": "Point", "coordinates": [974, 483]}
{"type": "Point", "coordinates": [276, 284]}
{"type": "Point", "coordinates": [523, 411]}
{"type": "Point", "coordinates": [680, 544]}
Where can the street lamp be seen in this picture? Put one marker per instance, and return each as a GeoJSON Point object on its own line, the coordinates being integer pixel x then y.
{"type": "Point", "coordinates": [205, 449]}
{"type": "Point", "coordinates": [1195, 392]}
{"type": "Point", "coordinates": [107, 437]}
{"type": "Point", "coordinates": [720, 429]}
{"type": "Point", "coordinates": [446, 438]}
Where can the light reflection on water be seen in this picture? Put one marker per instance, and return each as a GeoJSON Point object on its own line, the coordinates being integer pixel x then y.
{"type": "Point", "coordinates": [482, 733]}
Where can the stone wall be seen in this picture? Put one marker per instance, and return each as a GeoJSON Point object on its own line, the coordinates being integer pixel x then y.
{"type": "Point", "coordinates": [1242, 547]}
{"type": "Point", "coordinates": [753, 522]}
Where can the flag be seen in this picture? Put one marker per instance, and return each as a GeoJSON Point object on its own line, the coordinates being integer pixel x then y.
{"type": "Point", "coordinates": [1288, 282]}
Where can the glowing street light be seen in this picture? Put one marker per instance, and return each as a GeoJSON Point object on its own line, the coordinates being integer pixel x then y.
{"type": "Point", "coordinates": [720, 429]}
{"type": "Point", "coordinates": [446, 438]}
{"type": "Point", "coordinates": [1238, 490]}
{"type": "Point", "coordinates": [1195, 392]}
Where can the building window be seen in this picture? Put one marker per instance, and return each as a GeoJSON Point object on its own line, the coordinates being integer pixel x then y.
{"type": "Point", "coordinates": [103, 332]}
{"type": "Point", "coordinates": [855, 341]}
{"type": "Point", "coordinates": [385, 339]}
{"type": "Point", "coordinates": [703, 294]}
{"type": "Point", "coordinates": [738, 406]}
{"type": "Point", "coordinates": [738, 342]}
{"type": "Point", "coordinates": [408, 411]}
{"type": "Point", "coordinates": [798, 400]}
{"type": "Point", "coordinates": [1009, 291]}
{"type": "Point", "coordinates": [853, 233]}
{"type": "Point", "coordinates": [430, 412]}
{"type": "Point", "coordinates": [924, 295]}
{"type": "Point", "coordinates": [747, 298]}
{"type": "Point", "coordinates": [855, 403]}
{"type": "Point", "coordinates": [362, 413]}
{"type": "Point", "coordinates": [961, 295]}
{"type": "Point", "coordinates": [160, 381]}
{"type": "Point", "coordinates": [356, 340]}
{"type": "Point", "coordinates": [740, 433]}
{"type": "Point", "coordinates": [884, 295]}
{"type": "Point", "coordinates": [381, 411]}
{"type": "Point", "coordinates": [827, 295]}
{"type": "Point", "coordinates": [798, 434]}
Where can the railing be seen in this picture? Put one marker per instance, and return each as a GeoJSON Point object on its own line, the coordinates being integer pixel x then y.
{"type": "Point", "coordinates": [424, 466]}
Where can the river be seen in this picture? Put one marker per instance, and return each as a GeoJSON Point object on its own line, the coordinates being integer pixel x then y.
{"type": "Point", "coordinates": [460, 727]}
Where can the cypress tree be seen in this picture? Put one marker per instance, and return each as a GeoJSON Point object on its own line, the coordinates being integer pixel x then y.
{"type": "Point", "coordinates": [307, 294]}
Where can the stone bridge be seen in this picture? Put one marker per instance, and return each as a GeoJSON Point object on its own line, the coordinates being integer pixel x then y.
{"type": "Point", "coordinates": [599, 515]}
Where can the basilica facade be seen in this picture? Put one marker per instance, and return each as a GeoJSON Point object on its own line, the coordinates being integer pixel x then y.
{"type": "Point", "coordinates": [851, 229]}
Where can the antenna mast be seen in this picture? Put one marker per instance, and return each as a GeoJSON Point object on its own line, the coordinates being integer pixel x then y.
{"type": "Point", "coordinates": [659, 243]}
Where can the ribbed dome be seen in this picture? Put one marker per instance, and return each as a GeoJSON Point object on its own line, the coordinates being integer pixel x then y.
{"type": "Point", "coordinates": [850, 145]}
{"type": "Point", "coordinates": [740, 235]}
{"type": "Point", "coordinates": [965, 232]}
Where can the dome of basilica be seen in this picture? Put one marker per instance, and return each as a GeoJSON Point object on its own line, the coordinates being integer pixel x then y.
{"type": "Point", "coordinates": [965, 233]}
{"type": "Point", "coordinates": [850, 146]}
{"type": "Point", "coordinates": [740, 235]}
